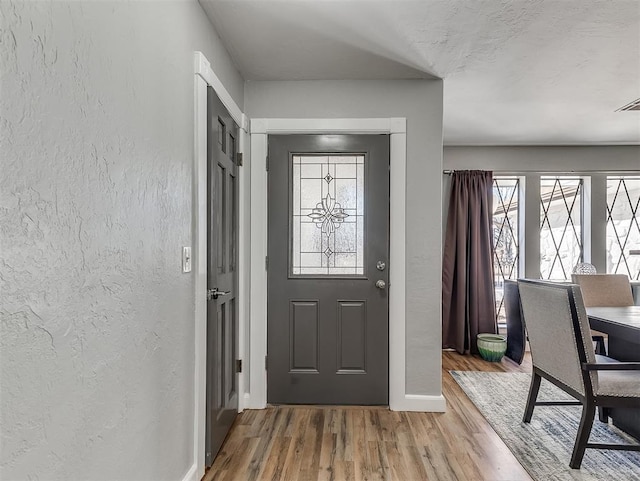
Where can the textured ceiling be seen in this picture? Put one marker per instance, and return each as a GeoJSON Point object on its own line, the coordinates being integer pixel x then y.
{"type": "Point", "coordinates": [515, 72]}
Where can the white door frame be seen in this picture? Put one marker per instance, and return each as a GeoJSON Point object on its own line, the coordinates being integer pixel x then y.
{"type": "Point", "coordinates": [260, 129]}
{"type": "Point", "coordinates": [205, 77]}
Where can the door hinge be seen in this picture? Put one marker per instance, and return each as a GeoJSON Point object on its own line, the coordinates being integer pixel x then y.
{"type": "Point", "coordinates": [238, 365]}
{"type": "Point", "coordinates": [266, 362]}
{"type": "Point", "coordinates": [266, 263]}
{"type": "Point", "coordinates": [239, 159]}
{"type": "Point", "coordinates": [267, 163]}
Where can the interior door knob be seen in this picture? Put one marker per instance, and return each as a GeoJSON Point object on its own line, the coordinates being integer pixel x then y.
{"type": "Point", "coordinates": [381, 284]}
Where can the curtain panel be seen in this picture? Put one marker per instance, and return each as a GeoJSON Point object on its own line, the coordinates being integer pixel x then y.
{"type": "Point", "coordinates": [468, 297]}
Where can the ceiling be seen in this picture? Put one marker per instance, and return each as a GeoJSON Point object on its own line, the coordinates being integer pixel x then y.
{"type": "Point", "coordinates": [516, 72]}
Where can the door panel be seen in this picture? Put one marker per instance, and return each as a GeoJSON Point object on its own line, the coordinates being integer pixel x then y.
{"type": "Point", "coordinates": [328, 230]}
{"type": "Point", "coordinates": [222, 321]}
{"type": "Point", "coordinates": [352, 337]}
{"type": "Point", "coordinates": [304, 336]}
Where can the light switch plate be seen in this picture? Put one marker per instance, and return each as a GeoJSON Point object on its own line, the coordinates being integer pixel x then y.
{"type": "Point", "coordinates": [186, 259]}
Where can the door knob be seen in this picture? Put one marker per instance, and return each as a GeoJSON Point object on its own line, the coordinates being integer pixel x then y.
{"type": "Point", "coordinates": [215, 293]}
{"type": "Point", "coordinates": [381, 284]}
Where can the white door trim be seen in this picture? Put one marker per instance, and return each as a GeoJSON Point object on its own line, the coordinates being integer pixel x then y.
{"type": "Point", "coordinates": [260, 129]}
{"type": "Point", "coordinates": [205, 77]}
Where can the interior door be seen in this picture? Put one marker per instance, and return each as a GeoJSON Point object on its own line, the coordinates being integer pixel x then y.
{"type": "Point", "coordinates": [328, 249]}
{"type": "Point", "coordinates": [222, 277]}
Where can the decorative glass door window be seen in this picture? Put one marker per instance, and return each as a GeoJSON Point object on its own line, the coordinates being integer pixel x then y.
{"type": "Point", "coordinates": [506, 252]}
{"type": "Point", "coordinates": [327, 218]}
{"type": "Point", "coordinates": [623, 226]}
{"type": "Point", "coordinates": [560, 226]}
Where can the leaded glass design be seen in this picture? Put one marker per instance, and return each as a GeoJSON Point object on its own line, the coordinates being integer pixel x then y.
{"type": "Point", "coordinates": [560, 226]}
{"type": "Point", "coordinates": [327, 220]}
{"type": "Point", "coordinates": [623, 227]}
{"type": "Point", "coordinates": [506, 251]}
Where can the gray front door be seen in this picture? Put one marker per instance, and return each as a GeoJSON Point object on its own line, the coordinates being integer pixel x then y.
{"type": "Point", "coordinates": [222, 277]}
{"type": "Point", "coordinates": [328, 246]}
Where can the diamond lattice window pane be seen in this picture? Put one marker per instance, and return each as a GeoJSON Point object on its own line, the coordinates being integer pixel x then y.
{"type": "Point", "coordinates": [327, 218]}
{"type": "Point", "coordinates": [623, 225]}
{"type": "Point", "coordinates": [506, 251]}
{"type": "Point", "coordinates": [560, 226]}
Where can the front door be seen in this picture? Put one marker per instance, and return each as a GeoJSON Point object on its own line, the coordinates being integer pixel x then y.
{"type": "Point", "coordinates": [222, 277]}
{"type": "Point", "coordinates": [328, 251]}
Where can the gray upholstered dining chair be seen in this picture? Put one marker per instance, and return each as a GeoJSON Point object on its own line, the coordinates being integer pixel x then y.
{"type": "Point", "coordinates": [604, 290]}
{"type": "Point", "coordinates": [516, 335]}
{"type": "Point", "coordinates": [561, 352]}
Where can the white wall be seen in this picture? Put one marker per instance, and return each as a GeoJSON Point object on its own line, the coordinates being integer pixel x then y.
{"type": "Point", "coordinates": [420, 101]}
{"type": "Point", "coordinates": [97, 321]}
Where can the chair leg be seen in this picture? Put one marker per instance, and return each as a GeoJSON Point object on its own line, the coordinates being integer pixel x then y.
{"type": "Point", "coordinates": [586, 422]}
{"type": "Point", "coordinates": [600, 345]}
{"type": "Point", "coordinates": [533, 395]}
{"type": "Point", "coordinates": [603, 414]}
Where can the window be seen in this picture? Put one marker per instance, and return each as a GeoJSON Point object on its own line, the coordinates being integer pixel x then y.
{"type": "Point", "coordinates": [623, 227]}
{"type": "Point", "coordinates": [560, 226]}
{"type": "Point", "coordinates": [328, 215]}
{"type": "Point", "coordinates": [563, 231]}
{"type": "Point", "coordinates": [506, 252]}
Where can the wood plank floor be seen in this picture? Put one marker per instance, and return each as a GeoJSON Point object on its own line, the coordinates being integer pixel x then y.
{"type": "Point", "coordinates": [304, 443]}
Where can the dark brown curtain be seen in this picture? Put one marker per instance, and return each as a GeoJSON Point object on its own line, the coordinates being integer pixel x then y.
{"type": "Point", "coordinates": [468, 298]}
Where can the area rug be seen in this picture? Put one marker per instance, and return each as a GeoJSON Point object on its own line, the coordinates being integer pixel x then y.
{"type": "Point", "coordinates": [544, 446]}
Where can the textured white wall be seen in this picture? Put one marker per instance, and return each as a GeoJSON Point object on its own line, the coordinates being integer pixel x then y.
{"type": "Point", "coordinates": [96, 332]}
{"type": "Point", "coordinates": [420, 101]}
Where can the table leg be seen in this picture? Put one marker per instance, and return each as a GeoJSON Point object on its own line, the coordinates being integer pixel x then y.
{"type": "Point", "coordinates": [623, 418]}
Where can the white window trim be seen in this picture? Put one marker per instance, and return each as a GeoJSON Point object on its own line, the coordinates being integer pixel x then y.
{"type": "Point", "coordinates": [205, 77]}
{"type": "Point", "coordinates": [396, 127]}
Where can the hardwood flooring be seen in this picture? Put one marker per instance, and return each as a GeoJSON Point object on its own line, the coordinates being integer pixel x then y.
{"type": "Point", "coordinates": [305, 443]}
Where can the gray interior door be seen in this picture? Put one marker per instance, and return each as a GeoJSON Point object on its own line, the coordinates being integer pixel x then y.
{"type": "Point", "coordinates": [222, 278]}
{"type": "Point", "coordinates": [328, 248]}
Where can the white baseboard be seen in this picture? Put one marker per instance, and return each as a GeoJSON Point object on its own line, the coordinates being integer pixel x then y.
{"type": "Point", "coordinates": [421, 403]}
{"type": "Point", "coordinates": [192, 474]}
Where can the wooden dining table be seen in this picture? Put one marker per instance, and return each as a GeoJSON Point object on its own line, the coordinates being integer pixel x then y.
{"type": "Point", "coordinates": [622, 325]}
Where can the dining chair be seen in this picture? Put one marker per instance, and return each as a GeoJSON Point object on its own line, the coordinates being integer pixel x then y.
{"type": "Point", "coordinates": [516, 335]}
{"type": "Point", "coordinates": [561, 352]}
{"type": "Point", "coordinates": [635, 289]}
{"type": "Point", "coordinates": [604, 290]}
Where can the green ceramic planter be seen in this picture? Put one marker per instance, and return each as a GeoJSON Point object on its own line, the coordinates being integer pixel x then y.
{"type": "Point", "coordinates": [492, 346]}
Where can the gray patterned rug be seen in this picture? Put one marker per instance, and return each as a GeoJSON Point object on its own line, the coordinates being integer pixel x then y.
{"type": "Point", "coordinates": [544, 446]}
